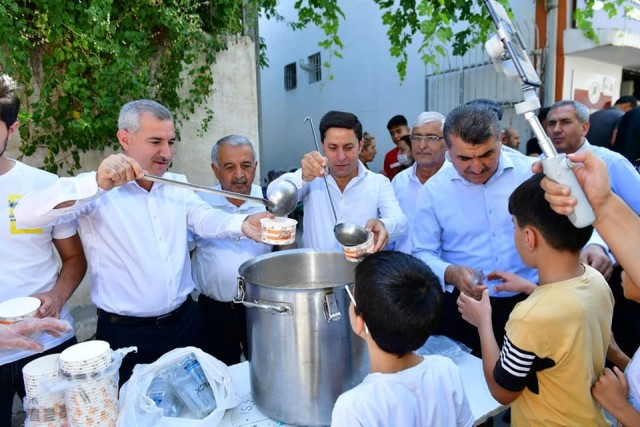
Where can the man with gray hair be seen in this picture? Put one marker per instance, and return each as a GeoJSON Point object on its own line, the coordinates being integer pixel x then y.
{"type": "Point", "coordinates": [135, 233]}
{"type": "Point", "coordinates": [427, 150]}
{"type": "Point", "coordinates": [215, 262]}
{"type": "Point", "coordinates": [567, 126]}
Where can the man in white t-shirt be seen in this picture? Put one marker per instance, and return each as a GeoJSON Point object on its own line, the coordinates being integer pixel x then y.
{"type": "Point", "coordinates": [28, 259]}
{"type": "Point", "coordinates": [215, 262]}
{"type": "Point", "coordinates": [395, 307]}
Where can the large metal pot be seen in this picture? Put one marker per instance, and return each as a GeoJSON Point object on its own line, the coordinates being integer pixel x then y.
{"type": "Point", "coordinates": [302, 351]}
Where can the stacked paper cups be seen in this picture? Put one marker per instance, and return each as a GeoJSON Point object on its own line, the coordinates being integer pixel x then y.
{"type": "Point", "coordinates": [44, 408]}
{"type": "Point", "coordinates": [92, 397]}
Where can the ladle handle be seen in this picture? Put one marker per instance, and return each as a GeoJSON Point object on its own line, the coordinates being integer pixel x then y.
{"type": "Point", "coordinates": [204, 189]}
{"type": "Point", "coordinates": [324, 176]}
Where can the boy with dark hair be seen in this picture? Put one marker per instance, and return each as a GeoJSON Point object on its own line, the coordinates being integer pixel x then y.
{"type": "Point", "coordinates": [397, 127]}
{"type": "Point", "coordinates": [395, 307]}
{"type": "Point", "coordinates": [556, 340]}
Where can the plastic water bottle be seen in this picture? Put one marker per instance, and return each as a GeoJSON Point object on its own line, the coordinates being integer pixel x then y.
{"type": "Point", "coordinates": [162, 394]}
{"type": "Point", "coordinates": [192, 387]}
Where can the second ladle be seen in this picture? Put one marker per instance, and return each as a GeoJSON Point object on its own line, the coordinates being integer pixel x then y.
{"type": "Point", "coordinates": [346, 233]}
{"type": "Point", "coordinates": [282, 201]}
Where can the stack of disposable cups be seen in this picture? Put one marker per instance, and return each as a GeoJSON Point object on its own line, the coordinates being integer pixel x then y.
{"type": "Point", "coordinates": [44, 408]}
{"type": "Point", "coordinates": [92, 396]}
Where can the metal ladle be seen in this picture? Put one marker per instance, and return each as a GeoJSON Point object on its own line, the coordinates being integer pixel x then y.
{"type": "Point", "coordinates": [281, 202]}
{"type": "Point", "coordinates": [348, 234]}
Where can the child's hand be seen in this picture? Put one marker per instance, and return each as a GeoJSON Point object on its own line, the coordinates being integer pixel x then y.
{"type": "Point", "coordinates": [478, 313]}
{"type": "Point", "coordinates": [611, 389]}
{"type": "Point", "coordinates": [511, 282]}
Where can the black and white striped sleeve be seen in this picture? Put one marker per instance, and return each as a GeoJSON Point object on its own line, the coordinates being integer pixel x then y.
{"type": "Point", "coordinates": [513, 367]}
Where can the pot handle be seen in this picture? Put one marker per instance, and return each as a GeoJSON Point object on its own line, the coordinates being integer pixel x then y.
{"type": "Point", "coordinates": [277, 308]}
{"type": "Point", "coordinates": [282, 308]}
{"type": "Point", "coordinates": [331, 311]}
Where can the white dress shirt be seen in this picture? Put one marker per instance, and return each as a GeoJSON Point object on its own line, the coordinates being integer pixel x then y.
{"type": "Point", "coordinates": [368, 195]}
{"type": "Point", "coordinates": [135, 240]}
{"type": "Point", "coordinates": [215, 262]}
{"type": "Point", "coordinates": [406, 186]}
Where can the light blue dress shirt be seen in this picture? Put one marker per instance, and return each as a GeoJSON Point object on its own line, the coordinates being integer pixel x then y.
{"type": "Point", "coordinates": [461, 223]}
{"type": "Point", "coordinates": [625, 179]}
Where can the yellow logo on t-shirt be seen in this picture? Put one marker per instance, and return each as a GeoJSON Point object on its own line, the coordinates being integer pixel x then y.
{"type": "Point", "coordinates": [13, 228]}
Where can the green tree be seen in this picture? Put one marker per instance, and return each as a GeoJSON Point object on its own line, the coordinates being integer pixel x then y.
{"type": "Point", "coordinates": [81, 60]}
{"type": "Point", "coordinates": [85, 58]}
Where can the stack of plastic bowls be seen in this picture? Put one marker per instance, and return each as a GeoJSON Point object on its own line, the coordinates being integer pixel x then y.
{"type": "Point", "coordinates": [44, 408]}
{"type": "Point", "coordinates": [16, 309]}
{"type": "Point", "coordinates": [92, 397]}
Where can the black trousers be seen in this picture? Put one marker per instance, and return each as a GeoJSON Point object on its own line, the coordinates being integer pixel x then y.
{"type": "Point", "coordinates": [12, 382]}
{"type": "Point", "coordinates": [455, 327]}
{"type": "Point", "coordinates": [153, 336]}
{"type": "Point", "coordinates": [225, 329]}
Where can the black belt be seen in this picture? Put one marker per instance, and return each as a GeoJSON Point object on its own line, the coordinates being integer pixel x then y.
{"type": "Point", "coordinates": [210, 302]}
{"type": "Point", "coordinates": [157, 321]}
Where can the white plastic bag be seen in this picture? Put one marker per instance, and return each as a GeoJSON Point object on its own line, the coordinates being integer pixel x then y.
{"type": "Point", "coordinates": [138, 410]}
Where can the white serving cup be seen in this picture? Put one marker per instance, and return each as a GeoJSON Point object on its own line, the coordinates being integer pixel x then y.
{"type": "Point", "coordinates": [354, 253]}
{"type": "Point", "coordinates": [278, 230]}
{"type": "Point", "coordinates": [17, 309]}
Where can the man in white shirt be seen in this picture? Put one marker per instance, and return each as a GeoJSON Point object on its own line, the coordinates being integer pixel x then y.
{"type": "Point", "coordinates": [427, 149]}
{"type": "Point", "coordinates": [359, 195]}
{"type": "Point", "coordinates": [135, 233]}
{"type": "Point", "coordinates": [28, 258]}
{"type": "Point", "coordinates": [215, 262]}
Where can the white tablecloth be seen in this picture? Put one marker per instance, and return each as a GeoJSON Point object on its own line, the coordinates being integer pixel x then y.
{"type": "Point", "coordinates": [483, 406]}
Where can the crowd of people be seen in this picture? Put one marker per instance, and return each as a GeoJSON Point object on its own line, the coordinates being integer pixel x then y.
{"type": "Point", "coordinates": [471, 241]}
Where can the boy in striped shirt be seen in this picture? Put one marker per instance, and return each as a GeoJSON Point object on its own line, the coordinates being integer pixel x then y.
{"type": "Point", "coordinates": [556, 340]}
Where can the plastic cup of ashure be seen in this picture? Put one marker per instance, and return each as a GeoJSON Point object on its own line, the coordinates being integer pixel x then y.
{"type": "Point", "coordinates": [17, 309]}
{"type": "Point", "coordinates": [355, 253]}
{"type": "Point", "coordinates": [278, 230]}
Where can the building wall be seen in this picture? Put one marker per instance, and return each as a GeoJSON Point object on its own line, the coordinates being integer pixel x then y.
{"type": "Point", "coordinates": [366, 82]}
{"type": "Point", "coordinates": [600, 80]}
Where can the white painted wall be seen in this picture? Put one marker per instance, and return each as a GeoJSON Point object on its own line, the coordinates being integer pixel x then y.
{"type": "Point", "coordinates": [580, 72]}
{"type": "Point", "coordinates": [628, 19]}
{"type": "Point", "coordinates": [367, 84]}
